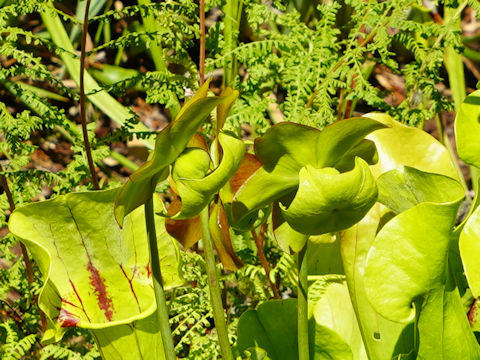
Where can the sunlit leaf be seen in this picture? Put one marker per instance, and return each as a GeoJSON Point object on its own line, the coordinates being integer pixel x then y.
{"type": "Point", "coordinates": [401, 145]}
{"type": "Point", "coordinates": [467, 129]}
{"type": "Point", "coordinates": [287, 239]}
{"type": "Point", "coordinates": [286, 148]}
{"type": "Point", "coordinates": [383, 339]}
{"type": "Point", "coordinates": [469, 244]}
{"type": "Point", "coordinates": [444, 331]}
{"type": "Point", "coordinates": [409, 256]}
{"type": "Point", "coordinates": [223, 108]}
{"type": "Point", "coordinates": [327, 201]}
{"type": "Point", "coordinates": [273, 327]}
{"type": "Point", "coordinates": [333, 310]}
{"type": "Point", "coordinates": [169, 144]}
{"type": "Point", "coordinates": [96, 275]}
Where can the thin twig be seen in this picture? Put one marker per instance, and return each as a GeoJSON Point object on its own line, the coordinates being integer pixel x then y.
{"type": "Point", "coordinates": [83, 114]}
{"type": "Point", "coordinates": [28, 264]}
{"type": "Point", "coordinates": [259, 241]}
{"type": "Point", "coordinates": [471, 66]}
{"type": "Point", "coordinates": [201, 71]}
{"type": "Point", "coordinates": [26, 259]}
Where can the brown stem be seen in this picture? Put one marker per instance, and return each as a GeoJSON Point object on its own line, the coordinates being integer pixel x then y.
{"type": "Point", "coordinates": [28, 264]}
{"type": "Point", "coordinates": [340, 104]}
{"type": "Point", "coordinates": [471, 312]}
{"type": "Point", "coordinates": [26, 259]}
{"type": "Point", "coordinates": [201, 71]}
{"type": "Point", "coordinates": [83, 114]}
{"type": "Point", "coordinates": [259, 241]}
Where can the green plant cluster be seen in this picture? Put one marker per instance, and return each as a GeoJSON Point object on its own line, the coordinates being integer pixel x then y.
{"type": "Point", "coordinates": [337, 234]}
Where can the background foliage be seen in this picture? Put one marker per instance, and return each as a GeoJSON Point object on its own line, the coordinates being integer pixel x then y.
{"type": "Point", "coordinates": [311, 62]}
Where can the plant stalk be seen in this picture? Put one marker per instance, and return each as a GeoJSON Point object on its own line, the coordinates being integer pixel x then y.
{"type": "Point", "coordinates": [156, 51]}
{"type": "Point", "coordinates": [83, 113]}
{"type": "Point", "coordinates": [302, 305]}
{"type": "Point", "coordinates": [201, 66]}
{"type": "Point", "coordinates": [259, 241]}
{"type": "Point", "coordinates": [232, 15]}
{"type": "Point", "coordinates": [11, 203]}
{"type": "Point", "coordinates": [26, 259]}
{"type": "Point", "coordinates": [215, 293]}
{"type": "Point", "coordinates": [162, 309]}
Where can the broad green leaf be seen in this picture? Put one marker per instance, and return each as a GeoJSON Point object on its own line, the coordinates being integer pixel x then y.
{"type": "Point", "coordinates": [138, 340]}
{"type": "Point", "coordinates": [409, 256]}
{"type": "Point", "coordinates": [338, 139]}
{"type": "Point", "coordinates": [444, 331]}
{"type": "Point", "coordinates": [196, 187]}
{"type": "Point", "coordinates": [467, 129]}
{"type": "Point", "coordinates": [169, 144]}
{"type": "Point", "coordinates": [365, 149]}
{"type": "Point", "coordinates": [327, 201]}
{"type": "Point", "coordinates": [288, 147]}
{"type": "Point", "coordinates": [273, 327]}
{"type": "Point", "coordinates": [324, 257]}
{"type": "Point", "coordinates": [383, 339]}
{"type": "Point", "coordinates": [96, 275]}
{"type": "Point", "coordinates": [255, 353]}
{"type": "Point", "coordinates": [401, 145]}
{"type": "Point", "coordinates": [334, 311]}
{"type": "Point", "coordinates": [469, 245]}
{"type": "Point", "coordinates": [401, 190]}
{"type": "Point", "coordinates": [287, 239]}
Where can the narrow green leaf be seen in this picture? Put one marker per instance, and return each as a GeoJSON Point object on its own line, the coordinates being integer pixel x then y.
{"type": "Point", "coordinates": [467, 129]}
{"type": "Point", "coordinates": [100, 98]}
{"type": "Point", "coordinates": [469, 245]}
{"type": "Point", "coordinates": [95, 274]}
{"type": "Point", "coordinates": [169, 144]}
{"type": "Point", "coordinates": [223, 108]}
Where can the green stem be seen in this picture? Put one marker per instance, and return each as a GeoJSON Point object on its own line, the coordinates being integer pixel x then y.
{"type": "Point", "coordinates": [302, 306]}
{"type": "Point", "coordinates": [156, 51]}
{"type": "Point", "coordinates": [232, 16]}
{"type": "Point", "coordinates": [162, 309]}
{"type": "Point", "coordinates": [83, 109]}
{"type": "Point", "coordinates": [214, 285]}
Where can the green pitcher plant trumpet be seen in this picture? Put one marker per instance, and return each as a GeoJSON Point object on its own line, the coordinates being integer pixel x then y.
{"type": "Point", "coordinates": [301, 172]}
